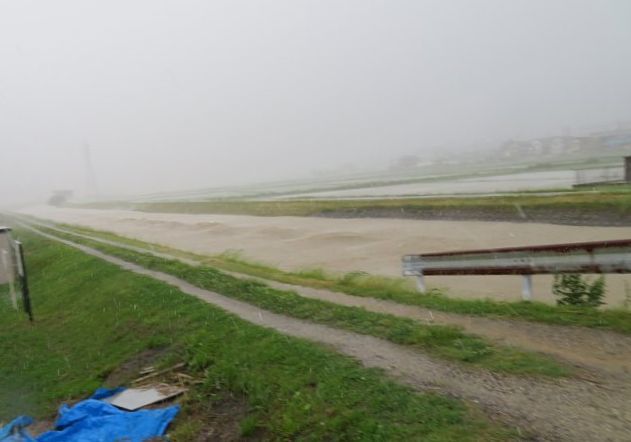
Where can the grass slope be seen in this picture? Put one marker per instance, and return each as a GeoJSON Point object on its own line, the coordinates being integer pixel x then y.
{"type": "Point", "coordinates": [609, 202]}
{"type": "Point", "coordinates": [91, 317]}
{"type": "Point", "coordinates": [443, 341]}
{"type": "Point", "coordinates": [396, 289]}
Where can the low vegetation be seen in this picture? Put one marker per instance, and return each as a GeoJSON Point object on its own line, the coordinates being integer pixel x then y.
{"type": "Point", "coordinates": [91, 317]}
{"type": "Point", "coordinates": [574, 289]}
{"type": "Point", "coordinates": [608, 205]}
{"type": "Point", "coordinates": [397, 289]}
{"type": "Point", "coordinates": [443, 341]}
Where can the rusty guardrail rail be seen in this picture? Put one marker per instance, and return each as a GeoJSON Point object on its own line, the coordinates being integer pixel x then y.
{"type": "Point", "coordinates": [585, 257]}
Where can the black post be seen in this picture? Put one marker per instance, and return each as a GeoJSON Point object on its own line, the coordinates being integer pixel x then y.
{"type": "Point", "coordinates": [26, 297]}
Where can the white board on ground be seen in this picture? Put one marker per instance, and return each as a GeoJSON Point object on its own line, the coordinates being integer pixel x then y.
{"type": "Point", "coordinates": [135, 398]}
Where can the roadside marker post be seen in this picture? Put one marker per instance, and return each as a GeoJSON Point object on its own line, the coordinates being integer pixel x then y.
{"type": "Point", "coordinates": [26, 295]}
{"type": "Point", "coordinates": [420, 283]}
{"type": "Point", "coordinates": [6, 258]}
{"type": "Point", "coordinates": [526, 289]}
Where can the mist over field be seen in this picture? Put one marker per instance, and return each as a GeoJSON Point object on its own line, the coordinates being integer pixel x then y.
{"type": "Point", "coordinates": [315, 220]}
{"type": "Point", "coordinates": [171, 95]}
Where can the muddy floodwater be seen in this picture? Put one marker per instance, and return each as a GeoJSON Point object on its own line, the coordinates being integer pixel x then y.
{"type": "Point", "coordinates": [343, 245]}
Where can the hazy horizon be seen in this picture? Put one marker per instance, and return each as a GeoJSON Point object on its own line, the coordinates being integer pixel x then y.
{"type": "Point", "coordinates": [170, 95]}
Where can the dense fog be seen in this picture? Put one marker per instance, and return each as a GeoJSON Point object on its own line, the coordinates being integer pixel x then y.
{"type": "Point", "coordinates": [130, 97]}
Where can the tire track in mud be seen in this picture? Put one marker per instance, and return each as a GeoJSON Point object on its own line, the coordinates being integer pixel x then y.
{"type": "Point", "coordinates": [567, 409]}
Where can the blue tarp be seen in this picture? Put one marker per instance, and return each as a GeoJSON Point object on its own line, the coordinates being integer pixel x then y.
{"type": "Point", "coordinates": [93, 420]}
{"type": "Point", "coordinates": [14, 431]}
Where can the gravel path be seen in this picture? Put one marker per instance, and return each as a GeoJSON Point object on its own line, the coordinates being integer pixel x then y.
{"type": "Point", "coordinates": [569, 409]}
{"type": "Point", "coordinates": [601, 352]}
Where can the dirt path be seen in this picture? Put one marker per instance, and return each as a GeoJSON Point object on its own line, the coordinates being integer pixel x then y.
{"type": "Point", "coordinates": [572, 410]}
{"type": "Point", "coordinates": [596, 350]}
{"type": "Point", "coordinates": [344, 245]}
{"type": "Point", "coordinates": [603, 353]}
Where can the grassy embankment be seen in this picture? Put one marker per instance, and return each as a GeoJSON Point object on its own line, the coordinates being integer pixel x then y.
{"type": "Point", "coordinates": [395, 289]}
{"type": "Point", "coordinates": [91, 317]}
{"type": "Point", "coordinates": [607, 206]}
{"type": "Point", "coordinates": [442, 341]}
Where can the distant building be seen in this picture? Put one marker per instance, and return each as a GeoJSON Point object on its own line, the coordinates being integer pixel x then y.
{"type": "Point", "coordinates": [60, 197]}
{"type": "Point", "coordinates": [614, 138]}
{"type": "Point", "coordinates": [549, 146]}
{"type": "Point", "coordinates": [409, 162]}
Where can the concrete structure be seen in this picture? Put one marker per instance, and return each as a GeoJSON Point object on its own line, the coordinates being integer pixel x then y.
{"type": "Point", "coordinates": [6, 256]}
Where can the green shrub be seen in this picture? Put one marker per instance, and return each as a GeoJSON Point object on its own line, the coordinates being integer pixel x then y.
{"type": "Point", "coordinates": [573, 289]}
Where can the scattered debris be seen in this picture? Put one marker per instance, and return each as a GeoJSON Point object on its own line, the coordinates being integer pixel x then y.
{"type": "Point", "coordinates": [134, 398]}
{"type": "Point", "coordinates": [95, 419]}
{"type": "Point", "coordinates": [157, 373]}
{"type": "Point", "coordinates": [113, 414]}
{"type": "Point", "coordinates": [147, 370]}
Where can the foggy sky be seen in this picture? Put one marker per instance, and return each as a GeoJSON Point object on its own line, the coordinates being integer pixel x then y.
{"type": "Point", "coordinates": [180, 94]}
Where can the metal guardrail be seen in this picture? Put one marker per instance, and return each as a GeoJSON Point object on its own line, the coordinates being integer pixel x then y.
{"type": "Point", "coordinates": [586, 257]}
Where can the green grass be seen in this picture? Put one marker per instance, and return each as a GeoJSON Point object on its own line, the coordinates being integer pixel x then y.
{"type": "Point", "coordinates": [612, 201]}
{"type": "Point", "coordinates": [443, 341]}
{"type": "Point", "coordinates": [396, 289]}
{"type": "Point", "coordinates": [92, 316]}
{"type": "Point", "coordinates": [399, 290]}
{"type": "Point", "coordinates": [4, 294]}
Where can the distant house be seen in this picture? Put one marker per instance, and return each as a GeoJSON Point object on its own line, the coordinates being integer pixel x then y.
{"type": "Point", "coordinates": [614, 138]}
{"type": "Point", "coordinates": [548, 146]}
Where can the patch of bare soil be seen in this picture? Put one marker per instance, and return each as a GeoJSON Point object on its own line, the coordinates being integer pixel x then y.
{"type": "Point", "coordinates": [41, 426]}
{"type": "Point", "coordinates": [221, 420]}
{"type": "Point", "coordinates": [129, 369]}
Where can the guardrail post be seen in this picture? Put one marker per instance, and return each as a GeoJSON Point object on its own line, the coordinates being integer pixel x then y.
{"type": "Point", "coordinates": [10, 276]}
{"type": "Point", "coordinates": [420, 283]}
{"type": "Point", "coordinates": [26, 296]}
{"type": "Point", "coordinates": [526, 288]}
